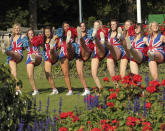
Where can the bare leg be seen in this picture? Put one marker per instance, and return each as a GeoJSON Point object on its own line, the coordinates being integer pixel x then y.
{"type": "Point", "coordinates": [115, 51]}
{"type": "Point", "coordinates": [153, 69]}
{"type": "Point", "coordinates": [13, 69]}
{"type": "Point", "coordinates": [153, 65]}
{"type": "Point", "coordinates": [30, 72]}
{"type": "Point", "coordinates": [65, 69]}
{"type": "Point", "coordinates": [48, 67]}
{"type": "Point", "coordinates": [53, 55]}
{"type": "Point", "coordinates": [137, 55]}
{"type": "Point", "coordinates": [70, 51]}
{"type": "Point", "coordinates": [94, 69]}
{"type": "Point", "coordinates": [123, 67]}
{"type": "Point", "coordinates": [111, 67]}
{"type": "Point", "coordinates": [124, 43]}
{"type": "Point", "coordinates": [100, 48]}
{"type": "Point", "coordinates": [79, 66]}
{"type": "Point", "coordinates": [85, 53]}
{"type": "Point", "coordinates": [134, 67]}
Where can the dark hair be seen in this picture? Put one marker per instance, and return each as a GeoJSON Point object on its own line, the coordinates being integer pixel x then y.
{"type": "Point", "coordinates": [44, 37]}
{"type": "Point", "coordinates": [30, 29]}
{"type": "Point", "coordinates": [114, 20]}
{"type": "Point", "coordinates": [141, 26]}
{"type": "Point", "coordinates": [63, 35]}
{"type": "Point", "coordinates": [84, 24]}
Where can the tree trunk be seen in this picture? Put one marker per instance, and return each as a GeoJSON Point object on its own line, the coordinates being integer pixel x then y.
{"type": "Point", "coordinates": [33, 13]}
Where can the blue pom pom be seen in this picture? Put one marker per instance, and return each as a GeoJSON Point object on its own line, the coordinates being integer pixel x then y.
{"type": "Point", "coordinates": [89, 33]}
{"type": "Point", "coordinates": [25, 42]}
{"type": "Point", "coordinates": [59, 32]}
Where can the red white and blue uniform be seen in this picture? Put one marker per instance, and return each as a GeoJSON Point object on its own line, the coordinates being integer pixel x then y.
{"type": "Point", "coordinates": [16, 46]}
{"type": "Point", "coordinates": [139, 46]}
{"type": "Point", "coordinates": [32, 50]}
{"type": "Point", "coordinates": [156, 45]}
{"type": "Point", "coordinates": [116, 42]}
{"type": "Point", "coordinates": [78, 48]}
{"type": "Point", "coordinates": [63, 50]}
{"type": "Point", "coordinates": [46, 53]}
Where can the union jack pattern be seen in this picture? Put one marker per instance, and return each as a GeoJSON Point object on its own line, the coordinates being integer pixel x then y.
{"type": "Point", "coordinates": [139, 45]}
{"type": "Point", "coordinates": [115, 42]}
{"type": "Point", "coordinates": [156, 45]}
{"type": "Point", "coordinates": [17, 45]}
{"type": "Point", "coordinates": [31, 50]}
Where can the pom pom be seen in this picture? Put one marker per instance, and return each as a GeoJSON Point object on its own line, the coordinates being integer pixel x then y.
{"type": "Point", "coordinates": [37, 40]}
{"type": "Point", "coordinates": [25, 42]}
{"type": "Point", "coordinates": [131, 30]}
{"type": "Point", "coordinates": [89, 33]}
{"type": "Point", "coordinates": [59, 32]}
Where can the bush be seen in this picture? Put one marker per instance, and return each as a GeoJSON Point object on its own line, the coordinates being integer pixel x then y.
{"type": "Point", "coordinates": [12, 107]}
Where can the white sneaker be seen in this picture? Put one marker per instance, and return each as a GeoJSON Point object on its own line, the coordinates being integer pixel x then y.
{"type": "Point", "coordinates": [33, 58]}
{"type": "Point", "coordinates": [35, 92]}
{"type": "Point", "coordinates": [68, 36]}
{"type": "Point", "coordinates": [78, 33]}
{"type": "Point", "coordinates": [54, 92]}
{"type": "Point", "coordinates": [18, 92]}
{"type": "Point", "coordinates": [151, 55]}
{"type": "Point", "coordinates": [128, 41]}
{"type": "Point", "coordinates": [86, 92]}
{"type": "Point", "coordinates": [102, 36]}
{"type": "Point", "coordinates": [51, 44]}
{"type": "Point", "coordinates": [69, 93]}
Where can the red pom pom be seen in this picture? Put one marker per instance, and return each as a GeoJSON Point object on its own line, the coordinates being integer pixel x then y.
{"type": "Point", "coordinates": [37, 40]}
{"type": "Point", "coordinates": [131, 30]}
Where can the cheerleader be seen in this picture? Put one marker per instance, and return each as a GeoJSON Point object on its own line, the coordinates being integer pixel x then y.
{"type": "Point", "coordinates": [127, 25]}
{"type": "Point", "coordinates": [137, 48]}
{"type": "Point", "coordinates": [50, 56]}
{"type": "Point", "coordinates": [156, 52]}
{"type": "Point", "coordinates": [33, 59]}
{"type": "Point", "coordinates": [65, 40]}
{"type": "Point", "coordinates": [82, 51]}
{"type": "Point", "coordinates": [99, 50]}
{"type": "Point", "coordinates": [14, 51]}
{"type": "Point", "coordinates": [116, 50]}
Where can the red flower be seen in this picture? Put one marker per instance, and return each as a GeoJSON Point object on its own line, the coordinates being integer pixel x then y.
{"type": "Point", "coordinates": [111, 90]}
{"type": "Point", "coordinates": [147, 128]}
{"type": "Point", "coordinates": [154, 83]}
{"type": "Point", "coordinates": [110, 104]}
{"type": "Point", "coordinates": [163, 22]}
{"type": "Point", "coordinates": [112, 96]}
{"type": "Point", "coordinates": [114, 121]}
{"type": "Point", "coordinates": [89, 122]}
{"type": "Point", "coordinates": [146, 124]}
{"type": "Point", "coordinates": [105, 79]}
{"type": "Point", "coordinates": [63, 115]}
{"type": "Point", "coordinates": [81, 129]}
{"type": "Point", "coordinates": [117, 89]}
{"type": "Point", "coordinates": [148, 105]}
{"type": "Point", "coordinates": [96, 129]}
{"type": "Point", "coordinates": [63, 129]}
{"type": "Point", "coordinates": [132, 121]}
{"type": "Point", "coordinates": [151, 89]}
{"type": "Point", "coordinates": [137, 78]}
{"type": "Point", "coordinates": [116, 78]}
{"type": "Point", "coordinates": [163, 82]}
{"type": "Point", "coordinates": [75, 118]}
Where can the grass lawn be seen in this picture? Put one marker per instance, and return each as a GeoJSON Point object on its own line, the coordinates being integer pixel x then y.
{"type": "Point", "coordinates": [68, 102]}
